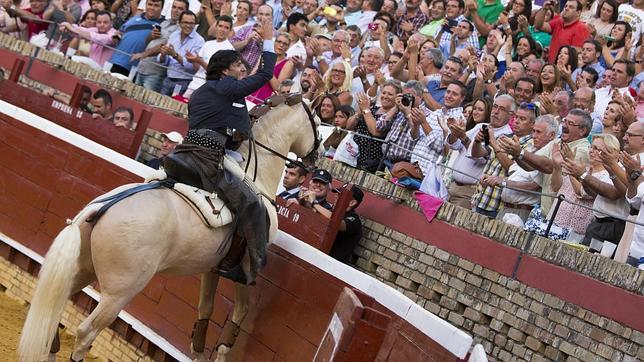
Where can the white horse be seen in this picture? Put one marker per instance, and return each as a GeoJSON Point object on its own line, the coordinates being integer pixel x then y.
{"type": "Point", "coordinates": [152, 232]}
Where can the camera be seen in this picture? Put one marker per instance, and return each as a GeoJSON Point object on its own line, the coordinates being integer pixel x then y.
{"type": "Point", "coordinates": [486, 135]}
{"type": "Point", "coordinates": [407, 99]}
{"type": "Point", "coordinates": [373, 26]}
{"type": "Point", "coordinates": [447, 28]}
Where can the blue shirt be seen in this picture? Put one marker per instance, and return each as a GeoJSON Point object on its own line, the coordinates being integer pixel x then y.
{"type": "Point", "coordinates": [192, 43]}
{"type": "Point", "coordinates": [135, 32]}
{"type": "Point", "coordinates": [433, 86]}
{"type": "Point", "coordinates": [597, 66]}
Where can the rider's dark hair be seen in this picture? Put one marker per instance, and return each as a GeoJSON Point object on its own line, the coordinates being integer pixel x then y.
{"type": "Point", "coordinates": [221, 61]}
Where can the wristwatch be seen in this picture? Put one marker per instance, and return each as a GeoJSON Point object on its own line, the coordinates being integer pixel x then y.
{"type": "Point", "coordinates": [504, 184]}
{"type": "Point", "coordinates": [521, 154]}
{"type": "Point", "coordinates": [319, 58]}
{"type": "Point", "coordinates": [635, 175]}
{"type": "Point", "coordinates": [583, 176]}
{"type": "Point", "coordinates": [366, 111]}
{"type": "Point", "coordinates": [348, 60]}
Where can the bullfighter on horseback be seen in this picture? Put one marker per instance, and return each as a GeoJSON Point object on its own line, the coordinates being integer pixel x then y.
{"type": "Point", "coordinates": [218, 123]}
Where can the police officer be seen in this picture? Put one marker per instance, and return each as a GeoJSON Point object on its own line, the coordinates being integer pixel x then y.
{"type": "Point", "coordinates": [218, 123]}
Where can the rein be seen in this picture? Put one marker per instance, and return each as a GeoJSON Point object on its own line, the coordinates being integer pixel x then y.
{"type": "Point", "coordinates": [311, 154]}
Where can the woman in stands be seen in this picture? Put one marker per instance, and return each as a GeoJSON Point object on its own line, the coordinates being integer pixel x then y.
{"type": "Point", "coordinates": [549, 79]}
{"type": "Point", "coordinates": [284, 69]}
{"type": "Point", "coordinates": [604, 18]}
{"type": "Point", "coordinates": [618, 45]}
{"type": "Point", "coordinates": [327, 108]}
{"type": "Point", "coordinates": [370, 150]}
{"type": "Point", "coordinates": [481, 110]}
{"type": "Point", "coordinates": [242, 15]}
{"type": "Point", "coordinates": [338, 81]}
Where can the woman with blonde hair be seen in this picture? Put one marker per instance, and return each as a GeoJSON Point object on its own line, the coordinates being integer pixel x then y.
{"type": "Point", "coordinates": [337, 81]}
{"type": "Point", "coordinates": [609, 206]}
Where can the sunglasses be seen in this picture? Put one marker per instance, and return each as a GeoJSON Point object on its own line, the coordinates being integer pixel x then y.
{"type": "Point", "coordinates": [530, 106]}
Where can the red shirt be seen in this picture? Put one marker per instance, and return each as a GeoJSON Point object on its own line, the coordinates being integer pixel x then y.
{"type": "Point", "coordinates": [574, 34]}
{"type": "Point", "coordinates": [34, 28]}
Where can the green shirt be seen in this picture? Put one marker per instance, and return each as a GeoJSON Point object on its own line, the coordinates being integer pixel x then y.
{"type": "Point", "coordinates": [432, 28]}
{"type": "Point", "coordinates": [489, 13]}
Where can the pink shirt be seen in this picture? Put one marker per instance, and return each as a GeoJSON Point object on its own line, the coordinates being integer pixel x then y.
{"type": "Point", "coordinates": [98, 52]}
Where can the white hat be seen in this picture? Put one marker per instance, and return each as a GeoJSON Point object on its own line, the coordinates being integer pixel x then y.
{"type": "Point", "coordinates": [174, 136]}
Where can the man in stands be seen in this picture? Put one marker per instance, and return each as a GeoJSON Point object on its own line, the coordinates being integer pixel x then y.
{"type": "Point", "coordinates": [102, 34]}
{"type": "Point", "coordinates": [169, 141]}
{"type": "Point", "coordinates": [533, 69]}
{"type": "Point", "coordinates": [412, 20]}
{"type": "Point", "coordinates": [317, 191]}
{"type": "Point", "coordinates": [296, 26]}
{"type": "Point", "coordinates": [566, 29]}
{"type": "Point", "coordinates": [37, 10]}
{"type": "Point", "coordinates": [588, 77]}
{"type": "Point", "coordinates": [524, 90]}
{"type": "Point", "coordinates": [584, 99]}
{"type": "Point", "coordinates": [134, 35]}
{"type": "Point", "coordinates": [102, 105]}
{"type": "Point", "coordinates": [350, 230]}
{"type": "Point", "coordinates": [294, 176]}
{"type": "Point", "coordinates": [397, 129]}
{"type": "Point", "coordinates": [182, 43]}
{"type": "Point", "coordinates": [544, 130]}
{"type": "Point", "coordinates": [339, 51]}
{"type": "Point", "coordinates": [574, 132]}
{"type": "Point", "coordinates": [487, 200]}
{"type": "Point", "coordinates": [149, 73]}
{"type": "Point", "coordinates": [427, 131]}
{"type": "Point", "coordinates": [221, 30]}
{"type": "Point", "coordinates": [124, 117]}
{"type": "Point", "coordinates": [451, 71]}
{"type": "Point", "coordinates": [590, 54]}
{"type": "Point", "coordinates": [623, 72]}
{"type": "Point", "coordinates": [310, 81]}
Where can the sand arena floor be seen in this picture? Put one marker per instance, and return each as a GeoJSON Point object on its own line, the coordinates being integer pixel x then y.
{"type": "Point", "coordinates": [12, 317]}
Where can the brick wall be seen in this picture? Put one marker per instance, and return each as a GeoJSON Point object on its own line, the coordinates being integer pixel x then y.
{"type": "Point", "coordinates": [509, 316]}
{"type": "Point", "coordinates": [20, 285]}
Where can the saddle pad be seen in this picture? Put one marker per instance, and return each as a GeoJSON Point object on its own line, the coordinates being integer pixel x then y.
{"type": "Point", "coordinates": [216, 215]}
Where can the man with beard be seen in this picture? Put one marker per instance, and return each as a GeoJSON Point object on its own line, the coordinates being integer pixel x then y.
{"type": "Point", "coordinates": [309, 82]}
{"type": "Point", "coordinates": [574, 133]}
{"type": "Point", "coordinates": [524, 90]}
{"type": "Point", "coordinates": [566, 29]}
{"type": "Point", "coordinates": [487, 199]}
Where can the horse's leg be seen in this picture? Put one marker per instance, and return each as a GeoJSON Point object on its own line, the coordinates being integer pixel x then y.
{"type": "Point", "coordinates": [209, 281]}
{"type": "Point", "coordinates": [81, 280]}
{"type": "Point", "coordinates": [232, 325]}
{"type": "Point", "coordinates": [116, 292]}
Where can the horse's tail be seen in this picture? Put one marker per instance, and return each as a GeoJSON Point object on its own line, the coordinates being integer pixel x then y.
{"type": "Point", "coordinates": [52, 291]}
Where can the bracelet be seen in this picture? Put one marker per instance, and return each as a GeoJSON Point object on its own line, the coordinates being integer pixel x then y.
{"type": "Point", "coordinates": [583, 176]}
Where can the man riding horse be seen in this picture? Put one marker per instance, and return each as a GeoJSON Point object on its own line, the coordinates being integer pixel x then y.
{"type": "Point", "coordinates": [218, 123]}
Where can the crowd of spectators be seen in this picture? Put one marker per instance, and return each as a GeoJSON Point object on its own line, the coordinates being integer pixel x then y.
{"type": "Point", "coordinates": [508, 102]}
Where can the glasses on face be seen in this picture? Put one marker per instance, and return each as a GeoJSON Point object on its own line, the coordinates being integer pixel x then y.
{"type": "Point", "coordinates": [568, 122]}
{"type": "Point", "coordinates": [282, 42]}
{"type": "Point", "coordinates": [633, 135]}
{"type": "Point", "coordinates": [339, 71]}
{"type": "Point", "coordinates": [500, 108]}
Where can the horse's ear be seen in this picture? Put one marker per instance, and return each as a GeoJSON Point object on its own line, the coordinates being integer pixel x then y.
{"type": "Point", "coordinates": [294, 98]}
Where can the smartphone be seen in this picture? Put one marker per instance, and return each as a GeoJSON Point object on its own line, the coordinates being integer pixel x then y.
{"type": "Point", "coordinates": [486, 135]}
{"type": "Point", "coordinates": [373, 26]}
{"type": "Point", "coordinates": [447, 28]}
{"type": "Point", "coordinates": [330, 11]}
{"type": "Point", "coordinates": [156, 27]}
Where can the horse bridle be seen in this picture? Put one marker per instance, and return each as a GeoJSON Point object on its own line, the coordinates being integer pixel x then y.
{"type": "Point", "coordinates": [312, 155]}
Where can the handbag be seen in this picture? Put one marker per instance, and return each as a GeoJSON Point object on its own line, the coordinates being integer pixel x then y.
{"type": "Point", "coordinates": [407, 169]}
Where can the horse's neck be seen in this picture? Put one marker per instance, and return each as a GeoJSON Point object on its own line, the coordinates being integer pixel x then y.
{"type": "Point", "coordinates": [272, 133]}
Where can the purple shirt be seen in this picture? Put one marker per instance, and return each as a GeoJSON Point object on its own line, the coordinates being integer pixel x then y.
{"type": "Point", "coordinates": [97, 52]}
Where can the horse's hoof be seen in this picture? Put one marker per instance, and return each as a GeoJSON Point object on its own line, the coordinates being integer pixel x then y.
{"type": "Point", "coordinates": [222, 351]}
{"type": "Point", "coordinates": [51, 357]}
